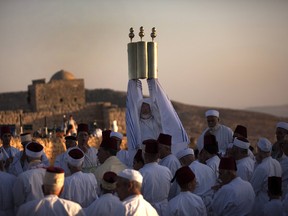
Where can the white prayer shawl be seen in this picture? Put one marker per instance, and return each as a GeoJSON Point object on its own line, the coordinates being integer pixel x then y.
{"type": "Point", "coordinates": [273, 208]}
{"type": "Point", "coordinates": [123, 156]}
{"type": "Point", "coordinates": [245, 168]}
{"type": "Point", "coordinates": [16, 167]}
{"type": "Point", "coordinates": [51, 205]}
{"type": "Point", "coordinates": [223, 134]}
{"type": "Point", "coordinates": [284, 166]}
{"type": "Point", "coordinates": [90, 159]}
{"type": "Point", "coordinates": [81, 188]}
{"type": "Point", "coordinates": [235, 198]}
{"type": "Point", "coordinates": [28, 186]}
{"type": "Point", "coordinates": [156, 185]}
{"type": "Point", "coordinates": [62, 161]}
{"type": "Point", "coordinates": [161, 108]}
{"type": "Point", "coordinates": [186, 204]}
{"type": "Point", "coordinates": [136, 205]}
{"type": "Point", "coordinates": [259, 181]}
{"type": "Point", "coordinates": [106, 205]}
{"type": "Point", "coordinates": [6, 196]}
{"type": "Point", "coordinates": [213, 163]}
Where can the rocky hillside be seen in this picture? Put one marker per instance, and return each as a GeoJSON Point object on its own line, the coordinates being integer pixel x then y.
{"type": "Point", "coordinates": [193, 118]}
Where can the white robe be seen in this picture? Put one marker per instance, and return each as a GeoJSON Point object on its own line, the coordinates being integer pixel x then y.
{"type": "Point", "coordinates": [9, 153]}
{"type": "Point", "coordinates": [245, 168]}
{"type": "Point", "coordinates": [284, 166]}
{"type": "Point", "coordinates": [90, 160]}
{"type": "Point", "coordinates": [51, 205]}
{"type": "Point", "coordinates": [136, 205]}
{"type": "Point", "coordinates": [81, 188]}
{"type": "Point", "coordinates": [28, 186]}
{"type": "Point", "coordinates": [259, 181]}
{"type": "Point", "coordinates": [156, 185]}
{"type": "Point", "coordinates": [106, 205]}
{"type": "Point", "coordinates": [186, 204]}
{"type": "Point", "coordinates": [223, 134]}
{"type": "Point", "coordinates": [6, 196]}
{"type": "Point", "coordinates": [234, 198]}
{"type": "Point", "coordinates": [213, 163]}
{"type": "Point", "coordinates": [273, 208]}
{"type": "Point", "coordinates": [62, 161]}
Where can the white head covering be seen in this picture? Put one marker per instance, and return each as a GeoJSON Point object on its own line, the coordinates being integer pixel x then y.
{"type": "Point", "coordinates": [212, 113]}
{"type": "Point", "coordinates": [75, 161]}
{"type": "Point", "coordinates": [116, 134]}
{"type": "Point", "coordinates": [283, 125]}
{"type": "Point", "coordinates": [34, 149]}
{"type": "Point", "coordinates": [132, 175]}
{"type": "Point", "coordinates": [264, 144]}
{"type": "Point", "coordinates": [54, 176]}
{"type": "Point", "coordinates": [184, 152]}
{"type": "Point", "coordinates": [241, 144]}
{"type": "Point", "coordinates": [25, 137]}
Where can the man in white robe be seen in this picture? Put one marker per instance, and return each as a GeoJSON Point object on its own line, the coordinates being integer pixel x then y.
{"type": "Point", "coordinates": [267, 166]}
{"type": "Point", "coordinates": [79, 187]}
{"type": "Point", "coordinates": [156, 178]}
{"type": "Point", "coordinates": [128, 188]}
{"type": "Point", "coordinates": [223, 134]}
{"type": "Point", "coordinates": [284, 165]}
{"type": "Point", "coordinates": [62, 159]}
{"type": "Point", "coordinates": [281, 132]}
{"type": "Point", "coordinates": [235, 196]}
{"type": "Point", "coordinates": [6, 186]}
{"type": "Point", "coordinates": [108, 203]}
{"type": "Point", "coordinates": [51, 204]}
{"type": "Point", "coordinates": [186, 203]}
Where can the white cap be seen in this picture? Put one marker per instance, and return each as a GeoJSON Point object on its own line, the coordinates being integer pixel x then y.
{"type": "Point", "coordinates": [34, 150]}
{"type": "Point", "coordinates": [54, 176]}
{"type": "Point", "coordinates": [25, 137]}
{"type": "Point", "coordinates": [116, 134]}
{"type": "Point", "coordinates": [132, 175]}
{"type": "Point", "coordinates": [184, 152]}
{"type": "Point", "coordinates": [264, 144]}
{"type": "Point", "coordinates": [212, 113]}
{"type": "Point", "coordinates": [283, 125]}
{"type": "Point", "coordinates": [241, 143]}
{"type": "Point", "coordinates": [75, 156]}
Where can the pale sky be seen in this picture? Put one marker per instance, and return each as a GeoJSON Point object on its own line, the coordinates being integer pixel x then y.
{"type": "Point", "coordinates": [230, 54]}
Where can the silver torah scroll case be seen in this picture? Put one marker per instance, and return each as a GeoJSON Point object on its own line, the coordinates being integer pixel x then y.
{"type": "Point", "coordinates": [142, 56]}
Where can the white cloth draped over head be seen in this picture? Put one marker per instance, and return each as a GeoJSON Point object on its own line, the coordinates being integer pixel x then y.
{"type": "Point", "coordinates": [159, 102]}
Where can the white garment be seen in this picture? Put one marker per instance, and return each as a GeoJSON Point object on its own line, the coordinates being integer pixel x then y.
{"type": "Point", "coordinates": [17, 167]}
{"type": "Point", "coordinates": [106, 205]}
{"type": "Point", "coordinates": [223, 134]}
{"type": "Point", "coordinates": [136, 205]}
{"type": "Point", "coordinates": [28, 186]}
{"type": "Point", "coordinates": [6, 196]}
{"type": "Point", "coordinates": [81, 188]}
{"type": "Point", "coordinates": [285, 205]}
{"type": "Point", "coordinates": [51, 205]}
{"type": "Point", "coordinates": [284, 166]}
{"type": "Point", "coordinates": [213, 163]}
{"type": "Point", "coordinates": [234, 198]}
{"type": "Point", "coordinates": [62, 161]}
{"type": "Point", "coordinates": [123, 156]}
{"type": "Point", "coordinates": [9, 152]}
{"type": "Point", "coordinates": [273, 208]}
{"type": "Point", "coordinates": [259, 181]}
{"type": "Point", "coordinates": [90, 159]}
{"type": "Point", "coordinates": [186, 204]}
{"type": "Point", "coordinates": [245, 168]}
{"type": "Point", "coordinates": [156, 185]}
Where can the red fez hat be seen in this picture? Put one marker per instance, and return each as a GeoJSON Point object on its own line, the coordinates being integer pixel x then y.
{"type": "Point", "coordinates": [70, 138]}
{"type": "Point", "coordinates": [110, 177]}
{"type": "Point", "coordinates": [83, 127]}
{"type": "Point", "coordinates": [109, 143]}
{"type": "Point", "coordinates": [138, 156]}
{"type": "Point", "coordinates": [164, 139]}
{"type": "Point", "coordinates": [184, 175]}
{"type": "Point", "coordinates": [106, 134]}
{"type": "Point", "coordinates": [227, 163]}
{"type": "Point", "coordinates": [151, 146]}
{"type": "Point", "coordinates": [240, 129]}
{"type": "Point", "coordinates": [275, 185]}
{"type": "Point", "coordinates": [5, 129]}
{"type": "Point", "coordinates": [76, 153]}
{"type": "Point", "coordinates": [210, 144]}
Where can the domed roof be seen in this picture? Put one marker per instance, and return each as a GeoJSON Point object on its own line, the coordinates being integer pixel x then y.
{"type": "Point", "coordinates": [62, 75]}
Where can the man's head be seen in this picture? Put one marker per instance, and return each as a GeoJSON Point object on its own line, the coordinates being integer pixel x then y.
{"type": "Point", "coordinates": [75, 158]}
{"type": "Point", "coordinates": [281, 130]}
{"type": "Point", "coordinates": [164, 145]}
{"type": "Point", "coordinates": [212, 117]}
{"type": "Point", "coordinates": [227, 169]}
{"type": "Point", "coordinates": [70, 141]}
{"type": "Point", "coordinates": [240, 132]}
{"type": "Point", "coordinates": [284, 145]}
{"type": "Point", "coordinates": [186, 156]}
{"type": "Point", "coordinates": [107, 148]}
{"type": "Point", "coordinates": [34, 151]}
{"type": "Point", "coordinates": [151, 151]}
{"type": "Point", "coordinates": [138, 161]}
{"type": "Point", "coordinates": [210, 148]}
{"type": "Point", "coordinates": [185, 179]}
{"type": "Point", "coordinates": [6, 135]}
{"type": "Point", "coordinates": [129, 182]}
{"type": "Point", "coordinates": [240, 148]}
{"type": "Point", "coordinates": [82, 134]}
{"type": "Point", "coordinates": [264, 148]}
{"type": "Point", "coordinates": [108, 182]}
{"type": "Point", "coordinates": [118, 138]}
{"type": "Point", "coordinates": [145, 111]}
{"type": "Point", "coordinates": [53, 181]}
{"type": "Point", "coordinates": [25, 139]}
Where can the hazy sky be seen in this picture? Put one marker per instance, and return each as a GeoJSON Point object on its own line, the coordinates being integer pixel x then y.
{"type": "Point", "coordinates": [229, 54]}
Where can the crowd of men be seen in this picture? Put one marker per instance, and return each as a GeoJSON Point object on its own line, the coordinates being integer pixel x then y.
{"type": "Point", "coordinates": [223, 175]}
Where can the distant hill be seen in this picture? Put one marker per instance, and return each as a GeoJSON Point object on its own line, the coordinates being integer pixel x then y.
{"type": "Point", "coordinates": [280, 111]}
{"type": "Point", "coordinates": [193, 119]}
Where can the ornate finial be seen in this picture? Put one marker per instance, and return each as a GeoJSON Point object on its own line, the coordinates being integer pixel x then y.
{"type": "Point", "coordinates": [131, 34]}
{"type": "Point", "coordinates": [141, 33]}
{"type": "Point", "coordinates": [153, 33]}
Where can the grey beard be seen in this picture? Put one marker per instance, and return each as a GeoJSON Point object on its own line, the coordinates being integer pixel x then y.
{"type": "Point", "coordinates": [215, 128]}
